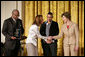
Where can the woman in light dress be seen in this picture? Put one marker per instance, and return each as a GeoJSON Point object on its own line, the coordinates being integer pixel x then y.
{"type": "Point", "coordinates": [71, 35]}
{"type": "Point", "coordinates": [31, 42]}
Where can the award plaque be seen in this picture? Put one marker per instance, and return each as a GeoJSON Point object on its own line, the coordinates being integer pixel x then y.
{"type": "Point", "coordinates": [17, 33]}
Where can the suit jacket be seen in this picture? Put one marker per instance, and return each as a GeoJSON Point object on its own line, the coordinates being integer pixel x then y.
{"type": "Point", "coordinates": [54, 29]}
{"type": "Point", "coordinates": [71, 35]}
{"type": "Point", "coordinates": [8, 30]}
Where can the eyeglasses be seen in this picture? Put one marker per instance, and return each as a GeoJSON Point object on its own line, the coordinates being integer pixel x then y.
{"type": "Point", "coordinates": [16, 15]}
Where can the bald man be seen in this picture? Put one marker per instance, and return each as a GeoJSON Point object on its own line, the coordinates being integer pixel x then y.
{"type": "Point", "coordinates": [10, 28]}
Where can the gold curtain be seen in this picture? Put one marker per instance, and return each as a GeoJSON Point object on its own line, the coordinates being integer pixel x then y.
{"type": "Point", "coordinates": [76, 8]}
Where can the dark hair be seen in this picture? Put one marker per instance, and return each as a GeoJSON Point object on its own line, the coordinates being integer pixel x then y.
{"type": "Point", "coordinates": [67, 15]}
{"type": "Point", "coordinates": [37, 22]}
{"type": "Point", "coordinates": [50, 13]}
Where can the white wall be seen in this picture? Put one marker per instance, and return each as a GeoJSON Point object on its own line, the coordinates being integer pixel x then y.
{"type": "Point", "coordinates": [6, 9]}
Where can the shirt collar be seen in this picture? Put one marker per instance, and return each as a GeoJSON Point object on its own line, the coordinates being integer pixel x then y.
{"type": "Point", "coordinates": [13, 19]}
{"type": "Point", "coordinates": [47, 22]}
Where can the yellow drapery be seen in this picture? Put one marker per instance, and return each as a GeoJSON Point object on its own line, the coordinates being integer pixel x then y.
{"type": "Point", "coordinates": [76, 8]}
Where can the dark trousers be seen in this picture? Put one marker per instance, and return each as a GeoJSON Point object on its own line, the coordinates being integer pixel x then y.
{"type": "Point", "coordinates": [9, 52]}
{"type": "Point", "coordinates": [2, 49]}
{"type": "Point", "coordinates": [49, 49]}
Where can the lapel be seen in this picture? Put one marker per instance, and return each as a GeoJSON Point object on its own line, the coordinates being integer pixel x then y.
{"type": "Point", "coordinates": [13, 22]}
{"type": "Point", "coordinates": [51, 26]}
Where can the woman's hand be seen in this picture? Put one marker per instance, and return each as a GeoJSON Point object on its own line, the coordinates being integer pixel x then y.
{"type": "Point", "coordinates": [49, 40]}
{"type": "Point", "coordinates": [76, 48]}
{"type": "Point", "coordinates": [54, 37]}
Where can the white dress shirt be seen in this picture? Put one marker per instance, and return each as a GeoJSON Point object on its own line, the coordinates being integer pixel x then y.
{"type": "Point", "coordinates": [34, 34]}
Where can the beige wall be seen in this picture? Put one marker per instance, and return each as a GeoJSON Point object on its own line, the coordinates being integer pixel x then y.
{"type": "Point", "coordinates": [6, 9]}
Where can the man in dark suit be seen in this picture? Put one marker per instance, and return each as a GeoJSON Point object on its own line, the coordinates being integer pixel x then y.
{"type": "Point", "coordinates": [49, 28]}
{"type": "Point", "coordinates": [11, 27]}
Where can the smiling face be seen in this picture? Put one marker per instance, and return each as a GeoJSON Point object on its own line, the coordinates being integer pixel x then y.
{"type": "Point", "coordinates": [41, 20]}
{"type": "Point", "coordinates": [15, 14]}
{"type": "Point", "coordinates": [66, 16]}
{"type": "Point", "coordinates": [49, 17]}
{"type": "Point", "coordinates": [64, 19]}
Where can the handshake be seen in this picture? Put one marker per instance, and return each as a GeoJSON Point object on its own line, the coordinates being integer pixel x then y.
{"type": "Point", "coordinates": [50, 39]}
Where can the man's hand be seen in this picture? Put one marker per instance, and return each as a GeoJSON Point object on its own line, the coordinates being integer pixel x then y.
{"type": "Point", "coordinates": [13, 38]}
{"type": "Point", "coordinates": [49, 40]}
